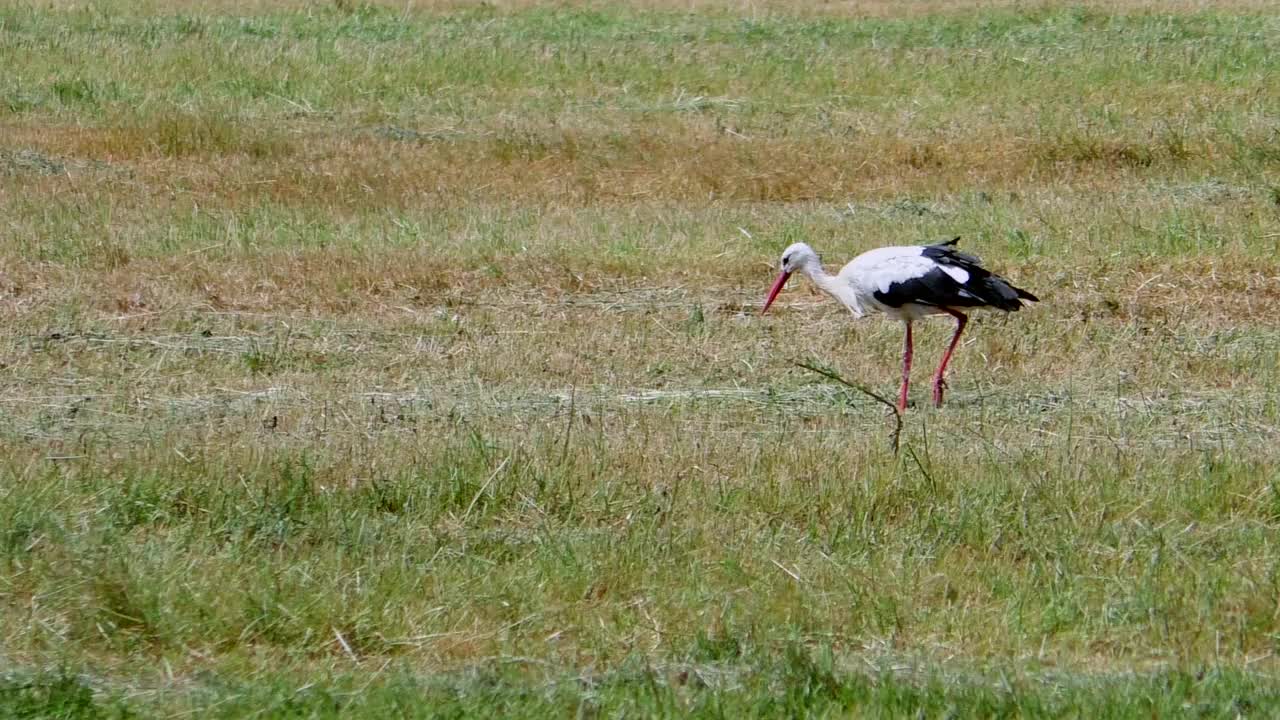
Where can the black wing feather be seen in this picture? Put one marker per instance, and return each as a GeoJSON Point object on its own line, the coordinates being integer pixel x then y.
{"type": "Point", "coordinates": [933, 288]}
{"type": "Point", "coordinates": [936, 287]}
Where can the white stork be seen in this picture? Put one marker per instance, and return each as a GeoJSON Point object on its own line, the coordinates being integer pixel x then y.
{"type": "Point", "coordinates": [907, 283]}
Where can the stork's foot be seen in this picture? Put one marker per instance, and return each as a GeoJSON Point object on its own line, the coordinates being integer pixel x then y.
{"type": "Point", "coordinates": [939, 385]}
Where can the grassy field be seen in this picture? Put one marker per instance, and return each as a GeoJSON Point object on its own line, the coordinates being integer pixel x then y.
{"type": "Point", "coordinates": [405, 360]}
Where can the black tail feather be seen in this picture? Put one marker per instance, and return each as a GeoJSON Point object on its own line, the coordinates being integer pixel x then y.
{"type": "Point", "coordinates": [1000, 294]}
{"type": "Point", "coordinates": [986, 287]}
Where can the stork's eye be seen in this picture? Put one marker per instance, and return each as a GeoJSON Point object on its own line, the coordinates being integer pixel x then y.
{"type": "Point", "coordinates": [786, 260]}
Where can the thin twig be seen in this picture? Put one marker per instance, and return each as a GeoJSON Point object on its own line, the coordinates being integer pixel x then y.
{"type": "Point", "coordinates": [568, 425]}
{"type": "Point", "coordinates": [784, 569]}
{"type": "Point", "coordinates": [345, 646]}
{"type": "Point", "coordinates": [199, 250]}
{"type": "Point", "coordinates": [920, 466]}
{"type": "Point", "coordinates": [484, 487]}
{"type": "Point", "coordinates": [897, 416]}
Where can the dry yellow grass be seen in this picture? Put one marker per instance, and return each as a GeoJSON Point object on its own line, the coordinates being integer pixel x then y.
{"type": "Point", "coordinates": [684, 162]}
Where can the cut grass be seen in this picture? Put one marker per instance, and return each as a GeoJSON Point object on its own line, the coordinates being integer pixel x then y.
{"type": "Point", "coordinates": [803, 684]}
{"type": "Point", "coordinates": [373, 361]}
{"type": "Point", "coordinates": [618, 105]}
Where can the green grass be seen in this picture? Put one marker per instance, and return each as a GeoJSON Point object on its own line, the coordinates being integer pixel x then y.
{"type": "Point", "coordinates": [804, 683]}
{"type": "Point", "coordinates": [364, 361]}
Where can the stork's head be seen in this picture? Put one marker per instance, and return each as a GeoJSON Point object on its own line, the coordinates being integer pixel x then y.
{"type": "Point", "coordinates": [796, 257]}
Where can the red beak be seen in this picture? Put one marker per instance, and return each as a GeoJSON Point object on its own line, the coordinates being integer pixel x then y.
{"type": "Point", "coordinates": [773, 291]}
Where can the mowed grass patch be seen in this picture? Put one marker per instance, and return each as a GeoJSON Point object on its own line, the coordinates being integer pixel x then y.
{"type": "Point", "coordinates": [1094, 227]}
{"type": "Point", "coordinates": [365, 360]}
{"type": "Point", "coordinates": [616, 104]}
{"type": "Point", "coordinates": [804, 684]}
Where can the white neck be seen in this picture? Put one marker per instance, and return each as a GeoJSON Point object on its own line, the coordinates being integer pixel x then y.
{"type": "Point", "coordinates": [833, 286]}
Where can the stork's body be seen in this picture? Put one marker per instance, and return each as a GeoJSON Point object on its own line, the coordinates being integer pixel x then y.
{"type": "Point", "coordinates": [908, 283]}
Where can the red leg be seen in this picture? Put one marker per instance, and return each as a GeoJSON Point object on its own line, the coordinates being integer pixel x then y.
{"type": "Point", "coordinates": [938, 382]}
{"type": "Point", "coordinates": [906, 370]}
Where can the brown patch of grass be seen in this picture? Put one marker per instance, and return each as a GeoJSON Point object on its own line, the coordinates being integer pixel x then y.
{"type": "Point", "coordinates": [342, 282]}
{"type": "Point", "coordinates": [200, 135]}
{"type": "Point", "coordinates": [1083, 150]}
{"type": "Point", "coordinates": [178, 134]}
{"type": "Point", "coordinates": [683, 162]}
